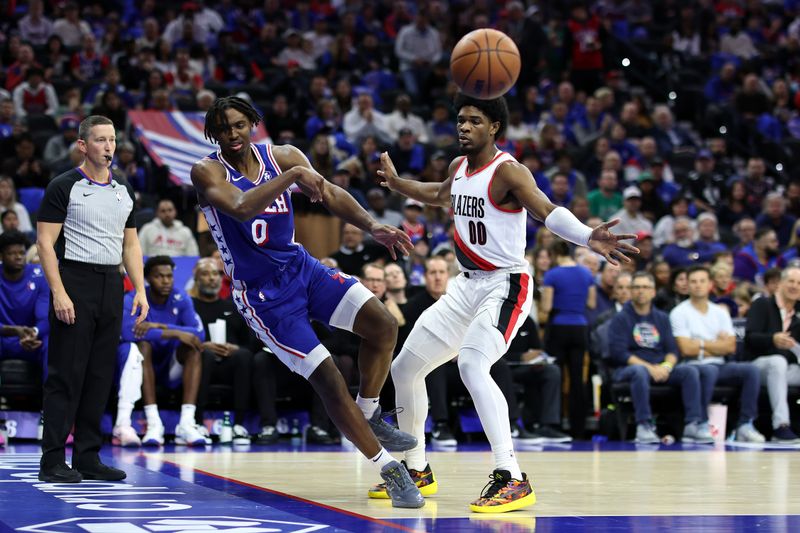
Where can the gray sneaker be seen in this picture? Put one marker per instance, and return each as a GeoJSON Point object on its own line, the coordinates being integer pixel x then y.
{"type": "Point", "coordinates": [646, 434]}
{"type": "Point", "coordinates": [402, 491]}
{"type": "Point", "coordinates": [389, 436]}
{"type": "Point", "coordinates": [697, 432]}
{"type": "Point", "coordinates": [747, 433]}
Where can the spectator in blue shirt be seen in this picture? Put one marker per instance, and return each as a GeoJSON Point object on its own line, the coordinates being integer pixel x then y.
{"type": "Point", "coordinates": [568, 290]}
{"type": "Point", "coordinates": [24, 300]}
{"type": "Point", "coordinates": [774, 217]}
{"type": "Point", "coordinates": [643, 351]}
{"type": "Point", "coordinates": [721, 88]}
{"type": "Point", "coordinates": [170, 340]}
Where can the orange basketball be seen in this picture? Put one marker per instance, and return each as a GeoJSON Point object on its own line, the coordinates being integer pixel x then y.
{"type": "Point", "coordinates": [485, 63]}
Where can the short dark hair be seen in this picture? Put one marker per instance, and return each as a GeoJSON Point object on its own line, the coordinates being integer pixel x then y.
{"type": "Point", "coordinates": [643, 274]}
{"type": "Point", "coordinates": [559, 248]}
{"type": "Point", "coordinates": [760, 232]}
{"type": "Point", "coordinates": [12, 237]}
{"type": "Point", "coordinates": [433, 258]}
{"type": "Point", "coordinates": [775, 273]}
{"type": "Point", "coordinates": [34, 71]}
{"type": "Point", "coordinates": [157, 260]}
{"type": "Point", "coordinates": [698, 268]}
{"type": "Point", "coordinates": [216, 119]}
{"type": "Point", "coordinates": [674, 275]}
{"type": "Point", "coordinates": [496, 109]}
{"type": "Point", "coordinates": [90, 122]}
{"type": "Point", "coordinates": [7, 213]}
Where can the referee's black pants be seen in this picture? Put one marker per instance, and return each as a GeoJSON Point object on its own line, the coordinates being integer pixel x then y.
{"type": "Point", "coordinates": [81, 361]}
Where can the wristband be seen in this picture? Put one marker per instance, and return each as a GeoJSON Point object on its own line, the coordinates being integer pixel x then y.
{"type": "Point", "coordinates": [563, 223]}
{"type": "Point", "coordinates": [667, 365]}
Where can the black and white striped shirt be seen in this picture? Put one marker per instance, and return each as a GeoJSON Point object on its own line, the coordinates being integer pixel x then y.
{"type": "Point", "coordinates": [94, 216]}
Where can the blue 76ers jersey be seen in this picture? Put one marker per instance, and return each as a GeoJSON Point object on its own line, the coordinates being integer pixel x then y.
{"type": "Point", "coordinates": [262, 247]}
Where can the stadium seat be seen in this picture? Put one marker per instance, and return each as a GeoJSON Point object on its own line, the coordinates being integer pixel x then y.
{"type": "Point", "coordinates": [21, 384]}
{"type": "Point", "coordinates": [41, 123]}
{"type": "Point", "coordinates": [31, 197]}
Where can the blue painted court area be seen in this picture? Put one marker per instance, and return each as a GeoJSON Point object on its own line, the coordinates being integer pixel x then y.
{"type": "Point", "coordinates": [161, 497]}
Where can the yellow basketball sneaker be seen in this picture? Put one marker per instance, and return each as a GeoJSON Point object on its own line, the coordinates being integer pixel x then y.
{"type": "Point", "coordinates": [503, 494]}
{"type": "Point", "coordinates": [424, 481]}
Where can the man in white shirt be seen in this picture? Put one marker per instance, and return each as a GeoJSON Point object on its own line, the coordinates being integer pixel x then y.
{"type": "Point", "coordinates": [71, 28]}
{"type": "Point", "coordinates": [363, 120]}
{"type": "Point", "coordinates": [402, 118]}
{"type": "Point", "coordinates": [705, 336]}
{"type": "Point", "coordinates": [165, 235]}
{"type": "Point", "coordinates": [34, 27]}
{"type": "Point", "coordinates": [418, 47]}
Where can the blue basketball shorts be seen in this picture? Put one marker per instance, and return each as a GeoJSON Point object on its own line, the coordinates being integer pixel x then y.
{"type": "Point", "coordinates": [279, 311]}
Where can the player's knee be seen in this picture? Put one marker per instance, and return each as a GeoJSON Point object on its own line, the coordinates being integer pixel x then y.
{"type": "Point", "coordinates": [385, 328]}
{"type": "Point", "coordinates": [327, 380]}
{"type": "Point", "coordinates": [472, 367]}
{"type": "Point", "coordinates": [399, 366]}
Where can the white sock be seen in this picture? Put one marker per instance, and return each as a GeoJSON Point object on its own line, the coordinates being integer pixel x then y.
{"type": "Point", "coordinates": [491, 406]}
{"type": "Point", "coordinates": [124, 412]}
{"type": "Point", "coordinates": [367, 405]}
{"type": "Point", "coordinates": [151, 414]}
{"type": "Point", "coordinates": [507, 460]}
{"type": "Point", "coordinates": [187, 415]}
{"type": "Point", "coordinates": [382, 459]}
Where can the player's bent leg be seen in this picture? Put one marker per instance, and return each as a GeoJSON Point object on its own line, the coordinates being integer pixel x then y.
{"type": "Point", "coordinates": [329, 384]}
{"type": "Point", "coordinates": [409, 370]}
{"type": "Point", "coordinates": [360, 312]}
{"type": "Point", "coordinates": [130, 390]}
{"type": "Point", "coordinates": [154, 434]}
{"type": "Point", "coordinates": [148, 373]}
{"type": "Point", "coordinates": [510, 488]}
{"type": "Point", "coordinates": [192, 363]}
{"type": "Point", "coordinates": [187, 431]}
{"type": "Point", "coordinates": [378, 331]}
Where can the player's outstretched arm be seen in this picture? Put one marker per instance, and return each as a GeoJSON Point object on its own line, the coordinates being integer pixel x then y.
{"type": "Point", "coordinates": [517, 180]}
{"type": "Point", "coordinates": [437, 194]}
{"type": "Point", "coordinates": [208, 177]}
{"type": "Point", "coordinates": [340, 203]}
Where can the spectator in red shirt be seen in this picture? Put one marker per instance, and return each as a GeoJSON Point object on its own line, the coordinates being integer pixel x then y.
{"type": "Point", "coordinates": [583, 42]}
{"type": "Point", "coordinates": [86, 64]}
{"type": "Point", "coordinates": [15, 74]}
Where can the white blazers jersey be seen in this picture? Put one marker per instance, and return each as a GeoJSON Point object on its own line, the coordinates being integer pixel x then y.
{"type": "Point", "coordinates": [487, 236]}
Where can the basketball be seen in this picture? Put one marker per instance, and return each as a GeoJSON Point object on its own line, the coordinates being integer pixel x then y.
{"type": "Point", "coordinates": [485, 63]}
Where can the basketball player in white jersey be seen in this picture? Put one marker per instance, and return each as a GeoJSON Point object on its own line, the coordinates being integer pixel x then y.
{"type": "Point", "coordinates": [489, 193]}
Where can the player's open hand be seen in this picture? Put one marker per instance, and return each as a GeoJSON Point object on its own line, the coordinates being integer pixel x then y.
{"type": "Point", "coordinates": [610, 245]}
{"type": "Point", "coordinates": [311, 183]}
{"type": "Point", "coordinates": [392, 238]}
{"type": "Point", "coordinates": [387, 172]}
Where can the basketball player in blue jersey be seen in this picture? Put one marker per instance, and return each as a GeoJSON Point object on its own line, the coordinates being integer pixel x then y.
{"type": "Point", "coordinates": [24, 297]}
{"type": "Point", "coordinates": [490, 194]}
{"type": "Point", "coordinates": [170, 341]}
{"type": "Point", "coordinates": [278, 287]}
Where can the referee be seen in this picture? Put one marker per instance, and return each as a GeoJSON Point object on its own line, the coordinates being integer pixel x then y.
{"type": "Point", "coordinates": [85, 229]}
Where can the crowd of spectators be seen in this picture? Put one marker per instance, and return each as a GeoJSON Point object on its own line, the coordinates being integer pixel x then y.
{"type": "Point", "coordinates": [680, 118]}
